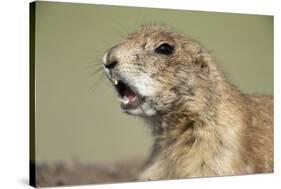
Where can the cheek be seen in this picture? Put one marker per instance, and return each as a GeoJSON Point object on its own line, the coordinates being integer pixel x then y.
{"type": "Point", "coordinates": [164, 101]}
{"type": "Point", "coordinates": [145, 84]}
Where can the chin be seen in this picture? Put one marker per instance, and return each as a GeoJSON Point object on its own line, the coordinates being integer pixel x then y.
{"type": "Point", "coordinates": [144, 110]}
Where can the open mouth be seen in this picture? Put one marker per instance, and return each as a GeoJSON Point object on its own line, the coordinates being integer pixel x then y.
{"type": "Point", "coordinates": [128, 97]}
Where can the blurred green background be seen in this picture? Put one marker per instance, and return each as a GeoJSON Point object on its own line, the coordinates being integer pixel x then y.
{"type": "Point", "coordinates": [78, 120]}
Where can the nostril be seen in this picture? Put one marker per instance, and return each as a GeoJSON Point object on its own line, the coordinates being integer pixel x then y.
{"type": "Point", "coordinates": [111, 64]}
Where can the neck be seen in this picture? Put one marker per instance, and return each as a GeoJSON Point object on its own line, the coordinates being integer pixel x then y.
{"type": "Point", "coordinates": [202, 138]}
{"type": "Point", "coordinates": [220, 112]}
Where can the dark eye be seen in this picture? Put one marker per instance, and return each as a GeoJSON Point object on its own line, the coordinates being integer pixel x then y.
{"type": "Point", "coordinates": [165, 48]}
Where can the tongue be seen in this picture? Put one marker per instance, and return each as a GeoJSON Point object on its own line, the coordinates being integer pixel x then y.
{"type": "Point", "coordinates": [129, 100]}
{"type": "Point", "coordinates": [130, 94]}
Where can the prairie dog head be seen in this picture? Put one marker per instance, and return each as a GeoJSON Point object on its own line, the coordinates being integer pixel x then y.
{"type": "Point", "coordinates": [155, 71]}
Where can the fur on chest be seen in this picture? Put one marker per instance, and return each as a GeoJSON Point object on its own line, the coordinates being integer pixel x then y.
{"type": "Point", "coordinates": [196, 151]}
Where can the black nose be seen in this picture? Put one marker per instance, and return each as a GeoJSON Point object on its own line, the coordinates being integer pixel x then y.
{"type": "Point", "coordinates": [110, 64]}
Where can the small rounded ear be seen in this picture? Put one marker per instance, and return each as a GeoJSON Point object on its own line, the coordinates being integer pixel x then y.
{"type": "Point", "coordinates": [197, 55]}
{"type": "Point", "coordinates": [192, 48]}
{"type": "Point", "coordinates": [202, 62]}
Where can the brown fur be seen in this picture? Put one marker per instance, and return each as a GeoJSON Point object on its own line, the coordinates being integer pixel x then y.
{"type": "Point", "coordinates": [203, 126]}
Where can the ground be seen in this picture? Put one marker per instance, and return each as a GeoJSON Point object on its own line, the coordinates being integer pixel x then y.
{"type": "Point", "coordinates": [60, 174]}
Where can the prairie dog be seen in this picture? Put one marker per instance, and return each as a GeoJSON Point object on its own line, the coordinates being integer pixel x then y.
{"type": "Point", "coordinates": [202, 124]}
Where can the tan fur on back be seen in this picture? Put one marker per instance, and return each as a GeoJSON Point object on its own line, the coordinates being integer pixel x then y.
{"type": "Point", "coordinates": [204, 125]}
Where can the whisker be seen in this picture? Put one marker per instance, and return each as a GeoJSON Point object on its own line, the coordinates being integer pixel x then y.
{"type": "Point", "coordinates": [98, 70]}
{"type": "Point", "coordinates": [94, 72]}
{"type": "Point", "coordinates": [94, 68]}
{"type": "Point", "coordinates": [98, 82]}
